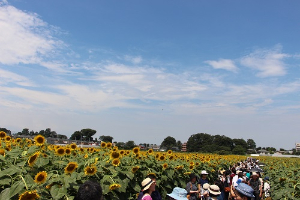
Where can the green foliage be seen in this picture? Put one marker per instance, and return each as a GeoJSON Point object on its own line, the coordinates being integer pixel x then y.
{"type": "Point", "coordinates": [105, 138]}
{"type": "Point", "coordinates": [84, 135]}
{"type": "Point", "coordinates": [168, 143]}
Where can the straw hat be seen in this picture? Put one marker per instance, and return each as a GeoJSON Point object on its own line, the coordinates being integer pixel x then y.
{"type": "Point", "coordinates": [214, 189]}
{"type": "Point", "coordinates": [146, 183]}
{"type": "Point", "coordinates": [205, 186]}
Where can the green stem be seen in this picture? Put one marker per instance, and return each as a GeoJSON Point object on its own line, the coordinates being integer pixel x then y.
{"type": "Point", "coordinates": [24, 182]}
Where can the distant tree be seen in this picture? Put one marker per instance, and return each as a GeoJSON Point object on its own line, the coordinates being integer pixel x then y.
{"type": "Point", "coordinates": [179, 145]}
{"type": "Point", "coordinates": [258, 148]}
{"type": "Point", "coordinates": [77, 135]}
{"type": "Point", "coordinates": [239, 150]}
{"type": "Point", "coordinates": [8, 132]}
{"type": "Point", "coordinates": [281, 149]}
{"type": "Point", "coordinates": [271, 149]}
{"type": "Point", "coordinates": [196, 142]}
{"type": "Point", "coordinates": [120, 145]}
{"type": "Point", "coordinates": [169, 142]}
{"type": "Point", "coordinates": [105, 138]}
{"type": "Point", "coordinates": [84, 135]}
{"type": "Point", "coordinates": [25, 131]}
{"type": "Point", "coordinates": [251, 144]}
{"type": "Point", "coordinates": [223, 141]}
{"type": "Point", "coordinates": [129, 145]}
{"type": "Point", "coordinates": [62, 136]}
{"type": "Point", "coordinates": [240, 142]}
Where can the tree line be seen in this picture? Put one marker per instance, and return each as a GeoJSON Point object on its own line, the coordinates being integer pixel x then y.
{"type": "Point", "coordinates": [200, 142]}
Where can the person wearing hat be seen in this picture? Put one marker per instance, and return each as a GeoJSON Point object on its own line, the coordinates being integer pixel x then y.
{"type": "Point", "coordinates": [178, 194]}
{"type": "Point", "coordinates": [267, 187]}
{"type": "Point", "coordinates": [242, 192]}
{"type": "Point", "coordinates": [148, 186]}
{"type": "Point", "coordinates": [192, 188]}
{"type": "Point", "coordinates": [256, 185]}
{"type": "Point", "coordinates": [202, 180]}
{"type": "Point", "coordinates": [205, 192]}
{"type": "Point", "coordinates": [155, 194]}
{"type": "Point", "coordinates": [214, 192]}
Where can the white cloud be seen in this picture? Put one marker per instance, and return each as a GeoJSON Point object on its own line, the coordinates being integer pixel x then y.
{"type": "Point", "coordinates": [10, 77]}
{"type": "Point", "coordinates": [134, 59]}
{"type": "Point", "coordinates": [225, 64]}
{"type": "Point", "coordinates": [24, 38]}
{"type": "Point", "coordinates": [268, 62]}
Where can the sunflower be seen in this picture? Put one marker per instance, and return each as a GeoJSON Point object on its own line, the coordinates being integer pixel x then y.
{"type": "Point", "coordinates": [162, 158]}
{"type": "Point", "coordinates": [18, 140]}
{"type": "Point", "coordinates": [68, 151]}
{"type": "Point", "coordinates": [108, 145]}
{"type": "Point", "coordinates": [7, 138]}
{"type": "Point", "coordinates": [191, 167]}
{"type": "Point", "coordinates": [115, 148]}
{"type": "Point", "coordinates": [39, 140]}
{"type": "Point", "coordinates": [90, 171]}
{"type": "Point", "coordinates": [157, 156]}
{"type": "Point", "coordinates": [2, 135]}
{"type": "Point", "coordinates": [114, 186]}
{"type": "Point", "coordinates": [2, 152]}
{"type": "Point", "coordinates": [71, 167]}
{"type": "Point", "coordinates": [29, 195]}
{"type": "Point", "coordinates": [187, 173]}
{"type": "Point", "coordinates": [134, 169]}
{"type": "Point", "coordinates": [40, 177]}
{"type": "Point", "coordinates": [165, 166]}
{"type": "Point", "coordinates": [33, 158]}
{"type": "Point", "coordinates": [73, 146]}
{"type": "Point", "coordinates": [60, 151]}
{"type": "Point", "coordinates": [103, 144]}
{"type": "Point", "coordinates": [150, 151]}
{"type": "Point", "coordinates": [86, 156]}
{"type": "Point", "coordinates": [114, 155]}
{"type": "Point", "coordinates": [116, 162]}
{"type": "Point", "coordinates": [122, 152]}
{"type": "Point", "coordinates": [169, 152]}
{"type": "Point", "coordinates": [197, 164]}
{"type": "Point", "coordinates": [136, 150]}
{"type": "Point", "coordinates": [171, 157]}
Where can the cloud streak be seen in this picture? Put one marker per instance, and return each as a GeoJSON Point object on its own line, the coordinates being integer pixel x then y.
{"type": "Point", "coordinates": [24, 37]}
{"type": "Point", "coordinates": [225, 64]}
{"type": "Point", "coordinates": [268, 62]}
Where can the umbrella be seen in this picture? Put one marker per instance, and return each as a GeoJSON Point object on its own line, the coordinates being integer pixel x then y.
{"type": "Point", "coordinates": [261, 164]}
{"type": "Point", "coordinates": [256, 170]}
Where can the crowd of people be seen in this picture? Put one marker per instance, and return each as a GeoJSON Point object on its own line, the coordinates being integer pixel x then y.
{"type": "Point", "coordinates": [242, 182]}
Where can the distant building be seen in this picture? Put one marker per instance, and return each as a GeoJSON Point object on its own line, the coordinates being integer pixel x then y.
{"type": "Point", "coordinates": [297, 147]}
{"type": "Point", "coordinates": [183, 148]}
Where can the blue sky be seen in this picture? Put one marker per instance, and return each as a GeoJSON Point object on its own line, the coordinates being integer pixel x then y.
{"type": "Point", "coordinates": [145, 70]}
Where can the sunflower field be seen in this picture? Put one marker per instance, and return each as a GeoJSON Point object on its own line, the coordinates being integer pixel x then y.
{"type": "Point", "coordinates": [32, 170]}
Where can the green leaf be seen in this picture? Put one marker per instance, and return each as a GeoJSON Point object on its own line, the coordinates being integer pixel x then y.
{"type": "Point", "coordinates": [16, 188]}
{"type": "Point", "coordinates": [42, 162]}
{"type": "Point", "coordinates": [5, 194]}
{"type": "Point", "coordinates": [32, 150]}
{"type": "Point", "coordinates": [10, 171]}
{"type": "Point", "coordinates": [14, 153]}
{"type": "Point", "coordinates": [130, 175]}
{"type": "Point", "coordinates": [5, 181]}
{"type": "Point", "coordinates": [57, 192]}
{"type": "Point", "coordinates": [29, 180]}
